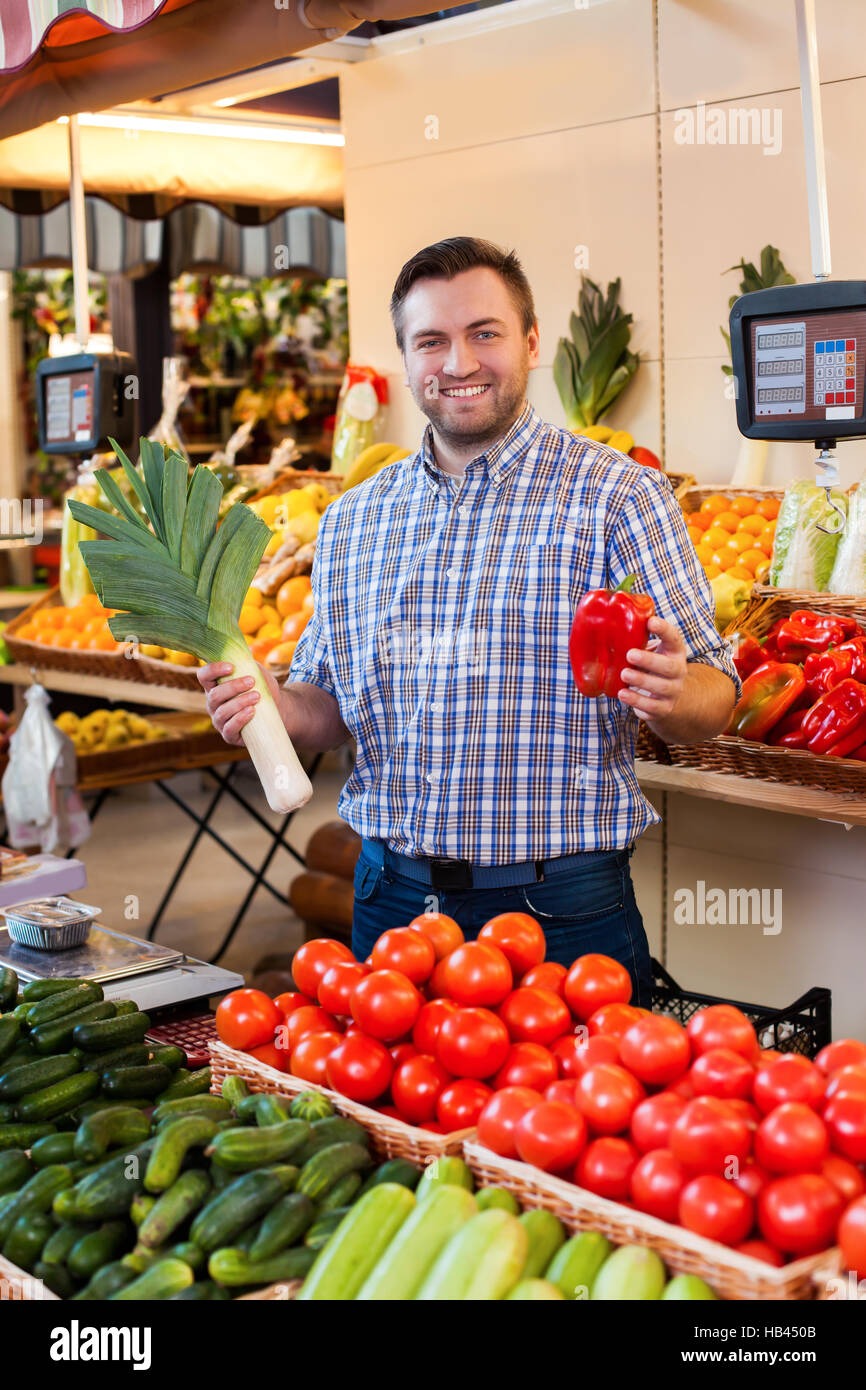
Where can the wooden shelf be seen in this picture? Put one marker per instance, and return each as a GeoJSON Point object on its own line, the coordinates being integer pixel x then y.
{"type": "Point", "coordinates": [844, 807]}
{"type": "Point", "coordinates": [108, 689]}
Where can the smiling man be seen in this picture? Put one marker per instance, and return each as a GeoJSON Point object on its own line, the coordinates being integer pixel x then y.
{"type": "Point", "coordinates": [444, 591]}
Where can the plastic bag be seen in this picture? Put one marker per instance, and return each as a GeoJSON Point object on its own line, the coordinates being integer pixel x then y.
{"type": "Point", "coordinates": [360, 415]}
{"type": "Point", "coordinates": [849, 569]}
{"type": "Point", "coordinates": [40, 798]}
{"type": "Point", "coordinates": [803, 556]}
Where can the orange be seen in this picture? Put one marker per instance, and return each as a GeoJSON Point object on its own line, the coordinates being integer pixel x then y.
{"type": "Point", "coordinates": [79, 618]}
{"type": "Point", "coordinates": [765, 542]}
{"type": "Point", "coordinates": [28, 631]}
{"type": "Point", "coordinates": [268, 630]}
{"type": "Point", "coordinates": [700, 519]}
{"type": "Point", "coordinates": [762, 572]}
{"type": "Point", "coordinates": [250, 619]}
{"type": "Point", "coordinates": [715, 503]}
{"type": "Point", "coordinates": [281, 654]}
{"type": "Point", "coordinates": [294, 626]}
{"type": "Point", "coordinates": [743, 506]}
{"type": "Point", "coordinates": [43, 617]}
{"type": "Point", "coordinates": [309, 602]}
{"type": "Point", "coordinates": [80, 642]}
{"type": "Point", "coordinates": [750, 559]}
{"type": "Point", "coordinates": [292, 594]}
{"type": "Point", "coordinates": [696, 535]}
{"type": "Point", "coordinates": [90, 601]}
{"type": "Point", "coordinates": [752, 524]}
{"type": "Point", "coordinates": [718, 535]}
{"type": "Point", "coordinates": [269, 615]}
{"type": "Point", "coordinates": [740, 572]}
{"type": "Point", "coordinates": [728, 519]}
{"type": "Point", "coordinates": [102, 642]}
{"type": "Point", "coordinates": [262, 647]}
{"type": "Point", "coordinates": [712, 571]}
{"type": "Point", "coordinates": [95, 625]}
{"type": "Point", "coordinates": [768, 507]}
{"type": "Point", "coordinates": [64, 637]}
{"type": "Point", "coordinates": [740, 541]}
{"type": "Point", "coordinates": [721, 557]}
{"type": "Point", "coordinates": [704, 552]}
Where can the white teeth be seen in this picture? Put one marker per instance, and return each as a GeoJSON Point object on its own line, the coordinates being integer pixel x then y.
{"type": "Point", "coordinates": [464, 390]}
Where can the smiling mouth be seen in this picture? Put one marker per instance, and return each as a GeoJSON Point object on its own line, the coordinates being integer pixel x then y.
{"type": "Point", "coordinates": [464, 392]}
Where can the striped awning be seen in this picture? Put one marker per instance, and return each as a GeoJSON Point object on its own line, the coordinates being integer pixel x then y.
{"type": "Point", "coordinates": [25, 25]}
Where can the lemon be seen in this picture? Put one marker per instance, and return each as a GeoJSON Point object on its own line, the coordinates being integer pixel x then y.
{"type": "Point", "coordinates": [305, 526]}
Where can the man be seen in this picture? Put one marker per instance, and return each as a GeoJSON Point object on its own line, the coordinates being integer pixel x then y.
{"type": "Point", "coordinates": [444, 591]}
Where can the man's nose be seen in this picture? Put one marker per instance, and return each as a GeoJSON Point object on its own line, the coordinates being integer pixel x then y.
{"type": "Point", "coordinates": [460, 360]}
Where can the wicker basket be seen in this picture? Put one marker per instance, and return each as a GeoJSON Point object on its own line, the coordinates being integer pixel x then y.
{"type": "Point", "coordinates": [693, 496]}
{"type": "Point", "coordinates": [299, 477]}
{"type": "Point", "coordinates": [832, 1282]}
{"type": "Point", "coordinates": [389, 1138]}
{"type": "Point", "coordinates": [731, 1275]}
{"type": "Point", "coordinates": [681, 483]}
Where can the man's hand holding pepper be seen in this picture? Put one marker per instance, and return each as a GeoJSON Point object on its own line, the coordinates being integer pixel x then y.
{"type": "Point", "coordinates": [681, 701]}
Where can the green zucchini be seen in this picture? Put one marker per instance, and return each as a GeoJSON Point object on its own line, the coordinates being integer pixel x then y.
{"type": "Point", "coordinates": [57, 1247]}
{"type": "Point", "coordinates": [535, 1291]}
{"type": "Point", "coordinates": [402, 1269]}
{"type": "Point", "coordinates": [448, 1170]}
{"type": "Point", "coordinates": [8, 1113]}
{"type": "Point", "coordinates": [54, 1148]}
{"type": "Point", "coordinates": [546, 1235]}
{"type": "Point", "coordinates": [497, 1197]}
{"type": "Point", "coordinates": [56, 1036]}
{"type": "Point", "coordinates": [97, 1248]}
{"type": "Point", "coordinates": [481, 1262]}
{"type": "Point", "coordinates": [342, 1194]}
{"type": "Point", "coordinates": [67, 1002]}
{"type": "Point", "coordinates": [58, 1099]}
{"type": "Point", "coordinates": [161, 1280]}
{"type": "Point", "coordinates": [126, 1006]}
{"type": "Point", "coordinates": [35, 1197]}
{"type": "Point", "coordinates": [284, 1225]}
{"type": "Point", "coordinates": [633, 1273]}
{"type": "Point", "coordinates": [10, 1035]}
{"type": "Point", "coordinates": [23, 1245]}
{"type": "Point", "coordinates": [324, 1227]}
{"type": "Point", "coordinates": [55, 1277]}
{"type": "Point", "coordinates": [147, 1080]}
{"type": "Point", "coordinates": [167, 1055]}
{"type": "Point", "coordinates": [576, 1264]}
{"type": "Point", "coordinates": [240, 1149]}
{"type": "Point", "coordinates": [214, 1106]}
{"type": "Point", "coordinates": [346, 1262]}
{"type": "Point", "coordinates": [202, 1291]}
{"type": "Point", "coordinates": [190, 1253]}
{"type": "Point", "coordinates": [8, 988]}
{"type": "Point", "coordinates": [15, 1136]}
{"type": "Point", "coordinates": [320, 1172]}
{"type": "Point", "coordinates": [35, 990]}
{"type": "Point", "coordinates": [15, 1169]}
{"type": "Point", "coordinates": [234, 1089]}
{"type": "Point", "coordinates": [187, 1083]}
{"type": "Point", "coordinates": [107, 1034]}
{"type": "Point", "coordinates": [34, 1076]}
{"type": "Point", "coordinates": [335, 1130]}
{"type": "Point", "coordinates": [140, 1207]}
{"type": "Point", "coordinates": [107, 1282]}
{"type": "Point", "coordinates": [64, 1208]}
{"type": "Point", "coordinates": [176, 1205]}
{"type": "Point", "coordinates": [172, 1145]}
{"type": "Point", "coordinates": [235, 1268]}
{"type": "Point", "coordinates": [688, 1288]}
{"type": "Point", "coordinates": [310, 1106]}
{"type": "Point", "coordinates": [108, 1192]}
{"type": "Point", "coordinates": [394, 1170]}
{"type": "Point", "coordinates": [140, 1259]}
{"type": "Point", "coordinates": [239, 1204]}
{"type": "Point", "coordinates": [107, 1129]}
{"type": "Point", "coordinates": [138, 1055]}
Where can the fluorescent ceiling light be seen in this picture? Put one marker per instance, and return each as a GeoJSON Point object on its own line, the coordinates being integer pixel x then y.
{"type": "Point", "coordinates": [226, 130]}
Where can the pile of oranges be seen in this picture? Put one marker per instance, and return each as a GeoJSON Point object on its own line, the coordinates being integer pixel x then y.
{"type": "Point", "coordinates": [734, 535]}
{"type": "Point", "coordinates": [272, 627]}
{"type": "Point", "coordinates": [82, 628]}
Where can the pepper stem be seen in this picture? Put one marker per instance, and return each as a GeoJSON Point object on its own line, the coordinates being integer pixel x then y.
{"type": "Point", "coordinates": [627, 584]}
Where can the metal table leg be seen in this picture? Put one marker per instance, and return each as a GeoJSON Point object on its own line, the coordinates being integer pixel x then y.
{"type": "Point", "coordinates": [178, 873]}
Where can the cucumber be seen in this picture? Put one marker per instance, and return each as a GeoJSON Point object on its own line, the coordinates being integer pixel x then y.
{"type": "Point", "coordinates": [34, 1076]}
{"type": "Point", "coordinates": [271, 1110]}
{"type": "Point", "coordinates": [140, 1259]}
{"type": "Point", "coordinates": [346, 1262]}
{"type": "Point", "coordinates": [236, 1268]}
{"type": "Point", "coordinates": [107, 1034]}
{"type": "Point", "coordinates": [320, 1172]}
{"type": "Point", "coordinates": [15, 1136]}
{"type": "Point", "coordinates": [64, 1209]}
{"type": "Point", "coordinates": [8, 988]}
{"type": "Point", "coordinates": [221, 1177]}
{"type": "Point", "coordinates": [15, 1169]}
{"type": "Point", "coordinates": [161, 1280]}
{"type": "Point", "coordinates": [393, 1170]}
{"type": "Point", "coordinates": [58, 1099]}
{"type": "Point", "coordinates": [214, 1106]}
{"type": "Point", "coordinates": [141, 1204]}
{"type": "Point", "coordinates": [54, 1148]}
{"type": "Point", "coordinates": [285, 1224]}
{"type": "Point", "coordinates": [688, 1288]}
{"type": "Point", "coordinates": [35, 1197]}
{"type": "Point", "coordinates": [202, 1291]}
{"type": "Point", "coordinates": [58, 1245]}
{"type": "Point", "coordinates": [107, 1282]}
{"type": "Point", "coordinates": [234, 1089]}
{"type": "Point", "coordinates": [335, 1130]}
{"type": "Point", "coordinates": [546, 1235]}
{"type": "Point", "coordinates": [311, 1105]}
{"type": "Point", "coordinates": [8, 1113]}
{"type": "Point", "coordinates": [120, 1082]}
{"type": "Point", "coordinates": [108, 1192]}
{"type": "Point", "coordinates": [56, 1036]}
{"type": "Point", "coordinates": [99, 1103]}
{"type": "Point", "coordinates": [240, 1150]}
{"type": "Point", "coordinates": [183, 1198]}
{"type": "Point", "coordinates": [55, 1277]}
{"type": "Point", "coordinates": [535, 1291]}
{"type": "Point", "coordinates": [97, 1248]}
{"type": "Point", "coordinates": [498, 1197]}
{"type": "Point", "coordinates": [35, 990]}
{"type": "Point", "coordinates": [191, 1254]}
{"type": "Point", "coordinates": [246, 1108]}
{"type": "Point", "coordinates": [10, 1035]}
{"type": "Point", "coordinates": [342, 1194]}
{"type": "Point", "coordinates": [106, 1129]}
{"type": "Point", "coordinates": [125, 1006]}
{"type": "Point", "coordinates": [447, 1170]}
{"type": "Point", "coordinates": [482, 1262]}
{"type": "Point", "coordinates": [239, 1204]}
{"type": "Point", "coordinates": [188, 1083]}
{"type": "Point", "coordinates": [23, 1246]}
{"type": "Point", "coordinates": [324, 1227]}
{"type": "Point", "coordinates": [631, 1274]}
{"type": "Point", "coordinates": [247, 1239]}
{"type": "Point", "coordinates": [67, 1002]}
{"type": "Point", "coordinates": [172, 1145]}
{"type": "Point", "coordinates": [575, 1265]}
{"type": "Point", "coordinates": [409, 1259]}
{"type": "Point", "coordinates": [167, 1055]}
{"type": "Point", "coordinates": [138, 1055]}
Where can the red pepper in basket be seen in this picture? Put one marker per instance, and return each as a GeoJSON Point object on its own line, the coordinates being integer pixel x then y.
{"type": "Point", "coordinates": [606, 625]}
{"type": "Point", "coordinates": [748, 653]}
{"type": "Point", "coordinates": [768, 694]}
{"type": "Point", "coordinates": [836, 723]}
{"type": "Point", "coordinates": [823, 670]}
{"type": "Point", "coordinates": [788, 733]}
{"type": "Point", "coordinates": [803, 632]}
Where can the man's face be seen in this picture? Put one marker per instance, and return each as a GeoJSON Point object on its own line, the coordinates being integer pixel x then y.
{"type": "Point", "coordinates": [466, 355]}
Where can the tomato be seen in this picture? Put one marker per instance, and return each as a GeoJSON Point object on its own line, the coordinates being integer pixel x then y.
{"type": "Point", "coordinates": [766, 1055]}
{"type": "Point", "coordinates": [313, 959]}
{"type": "Point", "coordinates": [723, 1073]}
{"type": "Point", "coordinates": [527, 1064]}
{"type": "Point", "coordinates": [564, 1053]}
{"type": "Point", "coordinates": [415, 1087]}
{"type": "Point", "coordinates": [519, 938]}
{"type": "Point", "coordinates": [761, 1250]}
{"type": "Point", "coordinates": [683, 1088]}
{"type": "Point", "coordinates": [549, 975]}
{"type": "Point", "coordinates": [434, 1127]}
{"type": "Point", "coordinates": [246, 1018]}
{"type": "Point", "coordinates": [472, 1042]}
{"type": "Point", "coordinates": [551, 1135]}
{"type": "Point", "coordinates": [429, 1021]}
{"type": "Point", "coordinates": [751, 1178]}
{"type": "Point", "coordinates": [852, 1237]}
{"type": "Point", "coordinates": [845, 1118]}
{"type": "Point", "coordinates": [310, 1019]}
{"type": "Point", "coordinates": [613, 1020]}
{"type": "Point", "coordinates": [271, 1055]}
{"type": "Point", "coordinates": [605, 1167]}
{"type": "Point", "coordinates": [799, 1214]}
{"type": "Point", "coordinates": [360, 1068]}
{"type": "Point", "coordinates": [391, 1111]}
{"type": "Point", "coordinates": [561, 1091]}
{"type": "Point", "coordinates": [847, 1081]}
{"type": "Point", "coordinates": [606, 1095]}
{"type": "Point", "coordinates": [337, 985]}
{"type": "Point", "coordinates": [499, 1118]}
{"type": "Point", "coordinates": [791, 1139]}
{"type": "Point", "coordinates": [593, 981]}
{"type": "Point", "coordinates": [657, 1180]}
{"type": "Point", "coordinates": [749, 1111]}
{"type": "Point", "coordinates": [401, 1052]}
{"type": "Point", "coordinates": [652, 1118]}
{"type": "Point", "coordinates": [476, 973]}
{"type": "Point", "coordinates": [843, 1053]}
{"type": "Point", "coordinates": [460, 1103]}
{"type": "Point", "coordinates": [287, 1003]}
{"type": "Point", "coordinates": [406, 950]}
{"type": "Point", "coordinates": [535, 1015]}
{"type": "Point", "coordinates": [443, 932]}
{"type": "Point", "coordinates": [309, 1059]}
{"type": "Point", "coordinates": [656, 1050]}
{"type": "Point", "coordinates": [589, 1051]}
{"type": "Point", "coordinates": [844, 1175]}
{"type": "Point", "coordinates": [708, 1135]}
{"type": "Point", "coordinates": [789, 1077]}
{"type": "Point", "coordinates": [722, 1025]}
{"type": "Point", "coordinates": [386, 1005]}
{"type": "Point", "coordinates": [716, 1208]}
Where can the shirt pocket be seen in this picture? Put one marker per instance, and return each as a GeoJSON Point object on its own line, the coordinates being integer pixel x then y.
{"type": "Point", "coordinates": [531, 603]}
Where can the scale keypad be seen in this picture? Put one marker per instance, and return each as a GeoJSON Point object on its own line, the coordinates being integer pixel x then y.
{"type": "Point", "coordinates": [835, 371]}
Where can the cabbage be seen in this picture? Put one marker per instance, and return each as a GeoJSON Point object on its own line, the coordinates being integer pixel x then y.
{"type": "Point", "coordinates": [803, 555]}
{"type": "Point", "coordinates": [849, 570]}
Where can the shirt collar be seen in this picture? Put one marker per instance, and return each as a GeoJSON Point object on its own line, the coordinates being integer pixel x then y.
{"type": "Point", "coordinates": [500, 459]}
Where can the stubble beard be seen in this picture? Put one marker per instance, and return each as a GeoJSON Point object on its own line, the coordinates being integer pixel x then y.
{"type": "Point", "coordinates": [502, 407]}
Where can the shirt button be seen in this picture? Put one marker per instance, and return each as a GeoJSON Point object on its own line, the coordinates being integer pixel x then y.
{"type": "Point", "coordinates": [451, 574]}
{"type": "Point", "coordinates": [434, 708]}
{"type": "Point", "coordinates": [432, 777]}
{"type": "Point", "coordinates": [464, 511]}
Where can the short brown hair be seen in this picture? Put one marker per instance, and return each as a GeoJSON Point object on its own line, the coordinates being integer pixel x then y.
{"type": "Point", "coordinates": [445, 259]}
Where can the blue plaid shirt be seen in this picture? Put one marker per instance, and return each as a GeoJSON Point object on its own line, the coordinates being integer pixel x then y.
{"type": "Point", "coordinates": [443, 608]}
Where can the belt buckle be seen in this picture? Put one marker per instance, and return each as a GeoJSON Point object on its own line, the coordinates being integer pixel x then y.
{"type": "Point", "coordinates": [450, 875]}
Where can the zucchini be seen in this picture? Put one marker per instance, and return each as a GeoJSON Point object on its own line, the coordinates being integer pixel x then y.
{"type": "Point", "coordinates": [120, 1082]}
{"type": "Point", "coordinates": [239, 1204]}
{"type": "Point", "coordinates": [202, 1291]}
{"type": "Point", "coordinates": [335, 1130]}
{"type": "Point", "coordinates": [214, 1106]}
{"type": "Point", "coordinates": [535, 1291]}
{"type": "Point", "coordinates": [35, 1197]}
{"type": "Point", "coordinates": [546, 1235]}
{"type": "Point", "coordinates": [106, 1034]}
{"type": "Point", "coordinates": [481, 1262]}
{"type": "Point", "coordinates": [8, 1113]}
{"type": "Point", "coordinates": [58, 1099]}
{"type": "Point", "coordinates": [10, 1035]}
{"type": "Point", "coordinates": [67, 1002]}
{"type": "Point", "coordinates": [576, 1264]}
{"type": "Point", "coordinates": [311, 1105]}
{"type": "Point", "coordinates": [161, 1280]}
{"type": "Point", "coordinates": [498, 1197]}
{"type": "Point", "coordinates": [141, 1205]}
{"type": "Point", "coordinates": [138, 1055]}
{"type": "Point", "coordinates": [350, 1256]}
{"type": "Point", "coordinates": [54, 1148]}
{"type": "Point", "coordinates": [107, 1282]}
{"type": "Point", "coordinates": [97, 1248]}
{"type": "Point", "coordinates": [58, 1245]}
{"type": "Point", "coordinates": [125, 1006]}
{"type": "Point", "coordinates": [240, 1150]}
{"type": "Point", "coordinates": [342, 1194]}
{"type": "Point", "coordinates": [403, 1267]}
{"type": "Point", "coordinates": [187, 1083]}
{"type": "Point", "coordinates": [15, 1169]}
{"type": "Point", "coordinates": [106, 1129]}
{"type": "Point", "coordinates": [8, 988]}
{"type": "Point", "coordinates": [324, 1227]}
{"type": "Point", "coordinates": [633, 1273]}
{"type": "Point", "coordinates": [447, 1170]}
{"type": "Point", "coordinates": [167, 1055]}
{"type": "Point", "coordinates": [34, 1076]}
{"type": "Point", "coordinates": [56, 1036]}
{"type": "Point", "coordinates": [688, 1288]}
{"type": "Point", "coordinates": [108, 1192]}
{"type": "Point", "coordinates": [140, 1259]}
{"type": "Point", "coordinates": [172, 1145]}
{"type": "Point", "coordinates": [394, 1170]}
{"type": "Point", "coordinates": [54, 1277]}
{"type": "Point", "coordinates": [234, 1089]}
{"type": "Point", "coordinates": [15, 1136]}
{"type": "Point", "coordinates": [182, 1200]}
{"type": "Point", "coordinates": [235, 1268]}
{"type": "Point", "coordinates": [320, 1172]}
{"type": "Point", "coordinates": [190, 1253]}
{"type": "Point", "coordinates": [35, 990]}
{"type": "Point", "coordinates": [284, 1225]}
{"type": "Point", "coordinates": [221, 1177]}
{"type": "Point", "coordinates": [23, 1246]}
{"type": "Point", "coordinates": [64, 1209]}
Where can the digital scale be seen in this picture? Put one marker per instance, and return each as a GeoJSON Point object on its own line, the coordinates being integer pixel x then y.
{"type": "Point", "coordinates": [83, 399]}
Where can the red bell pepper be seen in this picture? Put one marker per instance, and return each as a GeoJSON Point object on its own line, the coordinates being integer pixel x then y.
{"type": "Point", "coordinates": [606, 625]}
{"type": "Point", "coordinates": [748, 653]}
{"type": "Point", "coordinates": [768, 694]}
{"type": "Point", "coordinates": [836, 723]}
{"type": "Point", "coordinates": [803, 632]}
{"type": "Point", "coordinates": [859, 754]}
{"type": "Point", "coordinates": [823, 670]}
{"type": "Point", "coordinates": [788, 733]}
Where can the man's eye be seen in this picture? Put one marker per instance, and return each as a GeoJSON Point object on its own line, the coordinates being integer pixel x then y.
{"type": "Point", "coordinates": [487, 333]}
{"type": "Point", "coordinates": [432, 342]}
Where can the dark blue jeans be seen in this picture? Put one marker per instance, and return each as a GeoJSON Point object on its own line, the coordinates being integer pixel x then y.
{"type": "Point", "coordinates": [588, 908]}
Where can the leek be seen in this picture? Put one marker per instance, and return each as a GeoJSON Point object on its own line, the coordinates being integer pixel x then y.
{"type": "Point", "coordinates": [180, 583]}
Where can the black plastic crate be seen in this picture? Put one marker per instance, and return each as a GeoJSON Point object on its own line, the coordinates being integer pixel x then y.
{"type": "Point", "coordinates": [803, 1026]}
